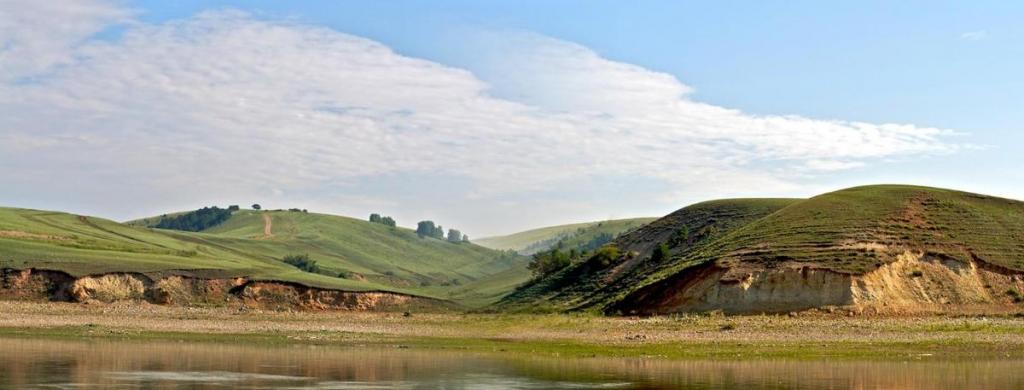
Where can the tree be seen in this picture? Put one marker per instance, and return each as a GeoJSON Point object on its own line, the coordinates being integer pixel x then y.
{"type": "Point", "coordinates": [465, 238]}
{"type": "Point", "coordinates": [683, 235]}
{"type": "Point", "coordinates": [454, 235]}
{"type": "Point", "coordinates": [195, 221]}
{"type": "Point", "coordinates": [661, 253]}
{"type": "Point", "coordinates": [438, 233]}
{"type": "Point", "coordinates": [425, 228]}
{"type": "Point", "coordinates": [256, 206]}
{"type": "Point", "coordinates": [388, 221]}
{"type": "Point", "coordinates": [547, 263]}
{"type": "Point", "coordinates": [233, 207]}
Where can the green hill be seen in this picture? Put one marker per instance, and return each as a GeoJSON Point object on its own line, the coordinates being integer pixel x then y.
{"type": "Point", "coordinates": [571, 236]}
{"type": "Point", "coordinates": [352, 254]}
{"type": "Point", "coordinates": [886, 247]}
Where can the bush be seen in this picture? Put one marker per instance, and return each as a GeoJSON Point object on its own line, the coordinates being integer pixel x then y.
{"type": "Point", "coordinates": [302, 262]}
{"type": "Point", "coordinates": [916, 273]}
{"type": "Point", "coordinates": [606, 255]}
{"type": "Point", "coordinates": [661, 253]}
{"type": "Point", "coordinates": [1017, 298]}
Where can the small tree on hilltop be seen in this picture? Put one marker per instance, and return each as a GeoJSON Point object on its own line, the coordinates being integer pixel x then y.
{"type": "Point", "coordinates": [375, 218]}
{"type": "Point", "coordinates": [465, 238]}
{"type": "Point", "coordinates": [425, 228]}
{"type": "Point", "coordinates": [454, 235]}
{"type": "Point", "coordinates": [256, 206]}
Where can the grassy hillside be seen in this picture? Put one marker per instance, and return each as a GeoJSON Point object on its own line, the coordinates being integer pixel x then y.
{"type": "Point", "coordinates": [573, 235]}
{"type": "Point", "coordinates": [372, 256]}
{"type": "Point", "coordinates": [586, 284]}
{"type": "Point", "coordinates": [852, 231]}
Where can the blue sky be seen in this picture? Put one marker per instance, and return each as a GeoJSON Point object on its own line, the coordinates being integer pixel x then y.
{"type": "Point", "coordinates": [810, 88]}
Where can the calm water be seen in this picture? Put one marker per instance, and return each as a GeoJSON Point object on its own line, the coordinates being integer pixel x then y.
{"type": "Point", "coordinates": [34, 364]}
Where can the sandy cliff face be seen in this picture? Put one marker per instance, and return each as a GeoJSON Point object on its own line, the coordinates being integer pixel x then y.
{"type": "Point", "coordinates": [914, 283]}
{"type": "Point", "coordinates": [32, 284]}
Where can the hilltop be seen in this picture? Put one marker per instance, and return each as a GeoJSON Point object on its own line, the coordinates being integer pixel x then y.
{"type": "Point", "coordinates": [587, 235]}
{"type": "Point", "coordinates": [350, 255]}
{"type": "Point", "coordinates": [887, 248]}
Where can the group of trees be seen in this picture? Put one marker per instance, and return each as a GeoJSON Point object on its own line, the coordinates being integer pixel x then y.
{"type": "Point", "coordinates": [377, 218]}
{"type": "Point", "coordinates": [457, 236]}
{"type": "Point", "coordinates": [302, 262]}
{"type": "Point", "coordinates": [195, 221]}
{"type": "Point", "coordinates": [429, 229]}
{"type": "Point", "coordinates": [548, 262]}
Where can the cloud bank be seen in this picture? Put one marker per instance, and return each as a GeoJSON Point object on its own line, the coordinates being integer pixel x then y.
{"type": "Point", "coordinates": [223, 105]}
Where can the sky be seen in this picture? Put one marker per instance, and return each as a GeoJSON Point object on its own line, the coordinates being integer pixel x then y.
{"type": "Point", "coordinates": [494, 117]}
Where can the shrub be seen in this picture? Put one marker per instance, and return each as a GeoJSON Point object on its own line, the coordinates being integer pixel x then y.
{"type": "Point", "coordinates": [916, 273]}
{"type": "Point", "coordinates": [606, 255]}
{"type": "Point", "coordinates": [302, 262]}
{"type": "Point", "coordinates": [1017, 298]}
{"type": "Point", "coordinates": [661, 253]}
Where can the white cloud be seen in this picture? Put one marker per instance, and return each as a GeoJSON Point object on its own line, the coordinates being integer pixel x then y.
{"type": "Point", "coordinates": [36, 35]}
{"type": "Point", "coordinates": [974, 35]}
{"type": "Point", "coordinates": [225, 104]}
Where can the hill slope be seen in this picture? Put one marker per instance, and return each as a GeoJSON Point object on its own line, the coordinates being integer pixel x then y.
{"type": "Point", "coordinates": [879, 248]}
{"type": "Point", "coordinates": [370, 257]}
{"type": "Point", "coordinates": [571, 236]}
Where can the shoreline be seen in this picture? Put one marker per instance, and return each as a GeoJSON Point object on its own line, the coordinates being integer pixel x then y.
{"type": "Point", "coordinates": [711, 337]}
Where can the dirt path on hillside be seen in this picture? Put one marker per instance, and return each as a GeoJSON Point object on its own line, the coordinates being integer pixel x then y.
{"type": "Point", "coordinates": [268, 226]}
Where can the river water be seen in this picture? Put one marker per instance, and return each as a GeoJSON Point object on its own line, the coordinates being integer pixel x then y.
{"type": "Point", "coordinates": [38, 364]}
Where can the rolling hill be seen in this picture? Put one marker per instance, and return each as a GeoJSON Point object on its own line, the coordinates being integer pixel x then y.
{"type": "Point", "coordinates": [571, 236]}
{"type": "Point", "coordinates": [887, 248]}
{"type": "Point", "coordinates": [352, 255]}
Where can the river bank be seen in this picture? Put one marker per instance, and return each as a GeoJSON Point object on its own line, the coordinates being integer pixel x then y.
{"type": "Point", "coordinates": [806, 336]}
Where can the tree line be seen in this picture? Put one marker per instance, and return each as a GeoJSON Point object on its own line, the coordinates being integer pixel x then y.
{"type": "Point", "coordinates": [387, 221]}
{"type": "Point", "coordinates": [197, 220]}
{"type": "Point", "coordinates": [429, 229]}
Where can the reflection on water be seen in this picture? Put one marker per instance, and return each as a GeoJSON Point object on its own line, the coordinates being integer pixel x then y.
{"type": "Point", "coordinates": [129, 365]}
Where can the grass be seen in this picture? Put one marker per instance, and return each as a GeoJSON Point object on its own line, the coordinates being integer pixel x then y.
{"type": "Point", "coordinates": [945, 225]}
{"type": "Point", "coordinates": [374, 256]}
{"type": "Point", "coordinates": [537, 240]}
{"type": "Point", "coordinates": [586, 285]}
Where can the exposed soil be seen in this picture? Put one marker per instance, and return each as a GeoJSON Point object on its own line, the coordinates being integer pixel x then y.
{"type": "Point", "coordinates": [268, 226]}
{"type": "Point", "coordinates": [914, 283]}
{"type": "Point", "coordinates": [178, 290]}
